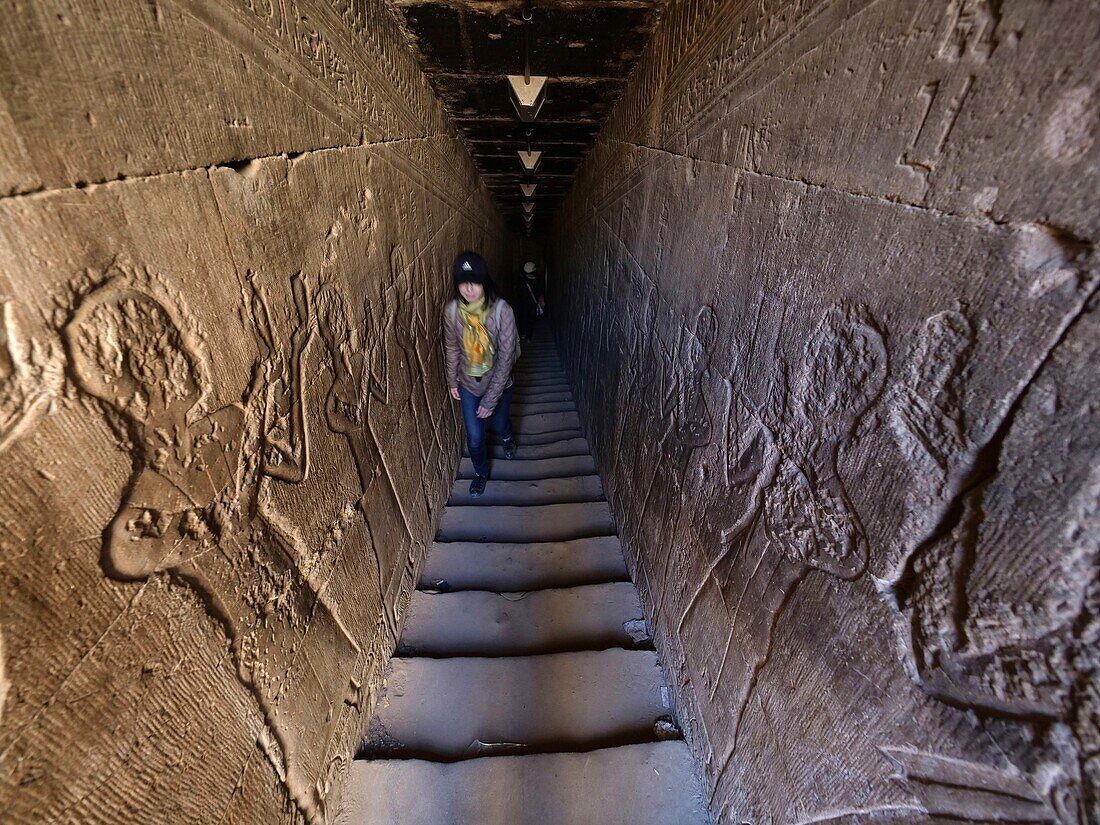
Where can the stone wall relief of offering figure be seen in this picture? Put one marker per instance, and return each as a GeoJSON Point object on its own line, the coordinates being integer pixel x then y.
{"type": "Point", "coordinates": [790, 512]}
{"type": "Point", "coordinates": [998, 581]}
{"type": "Point", "coordinates": [632, 385]}
{"type": "Point", "coordinates": [690, 430]}
{"type": "Point", "coordinates": [359, 376]}
{"type": "Point", "coordinates": [948, 588]}
{"type": "Point", "coordinates": [192, 508]}
{"type": "Point", "coordinates": [410, 331]}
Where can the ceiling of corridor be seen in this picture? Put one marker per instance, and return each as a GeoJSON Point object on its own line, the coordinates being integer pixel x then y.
{"type": "Point", "coordinates": [587, 48]}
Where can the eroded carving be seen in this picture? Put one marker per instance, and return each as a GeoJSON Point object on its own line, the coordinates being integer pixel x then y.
{"type": "Point", "coordinates": [193, 507]}
{"type": "Point", "coordinates": [781, 509]}
{"type": "Point", "coordinates": [968, 641]}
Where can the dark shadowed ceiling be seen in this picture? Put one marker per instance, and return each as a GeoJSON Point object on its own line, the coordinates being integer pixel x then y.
{"type": "Point", "coordinates": [586, 47]}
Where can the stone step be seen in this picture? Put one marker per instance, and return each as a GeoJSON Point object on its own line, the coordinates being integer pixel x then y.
{"type": "Point", "coordinates": [547, 522]}
{"type": "Point", "coordinates": [450, 709]}
{"type": "Point", "coordinates": [536, 380]}
{"type": "Point", "coordinates": [545, 423]}
{"type": "Point", "coordinates": [647, 784]}
{"type": "Point", "coordinates": [529, 361]}
{"type": "Point", "coordinates": [533, 491]}
{"type": "Point", "coordinates": [481, 623]}
{"type": "Point", "coordinates": [503, 567]}
{"type": "Point", "coordinates": [534, 407]}
{"type": "Point", "coordinates": [555, 449]}
{"type": "Point", "coordinates": [550, 437]}
{"type": "Point", "coordinates": [518, 469]}
{"type": "Point", "coordinates": [547, 384]}
{"type": "Point", "coordinates": [548, 364]}
{"type": "Point", "coordinates": [541, 398]}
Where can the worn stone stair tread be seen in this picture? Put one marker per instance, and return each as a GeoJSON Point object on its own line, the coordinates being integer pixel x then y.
{"type": "Point", "coordinates": [520, 469]}
{"type": "Point", "coordinates": [542, 373]}
{"type": "Point", "coordinates": [547, 522]}
{"type": "Point", "coordinates": [576, 446]}
{"type": "Point", "coordinates": [549, 437]}
{"type": "Point", "coordinates": [653, 783]}
{"type": "Point", "coordinates": [541, 382]}
{"type": "Point", "coordinates": [503, 566]}
{"type": "Point", "coordinates": [482, 623]}
{"type": "Point", "coordinates": [540, 390]}
{"type": "Point", "coordinates": [530, 491]}
{"type": "Point", "coordinates": [523, 383]}
{"type": "Point", "coordinates": [545, 422]}
{"type": "Point", "coordinates": [550, 384]}
{"type": "Point", "coordinates": [543, 364]}
{"type": "Point", "coordinates": [528, 377]}
{"type": "Point", "coordinates": [518, 399]}
{"type": "Point", "coordinates": [532, 407]}
{"type": "Point", "coordinates": [449, 709]}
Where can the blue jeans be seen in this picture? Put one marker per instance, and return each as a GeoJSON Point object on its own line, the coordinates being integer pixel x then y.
{"type": "Point", "coordinates": [498, 422]}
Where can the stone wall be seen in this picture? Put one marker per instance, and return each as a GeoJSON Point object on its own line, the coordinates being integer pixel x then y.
{"type": "Point", "coordinates": [826, 288]}
{"type": "Point", "coordinates": [225, 235]}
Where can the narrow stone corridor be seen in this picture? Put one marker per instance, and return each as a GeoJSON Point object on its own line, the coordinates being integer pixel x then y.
{"type": "Point", "coordinates": [810, 535]}
{"type": "Point", "coordinates": [525, 687]}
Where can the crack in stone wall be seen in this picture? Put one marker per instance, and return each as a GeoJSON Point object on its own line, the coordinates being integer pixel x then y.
{"type": "Point", "coordinates": [224, 443]}
{"type": "Point", "coordinates": [833, 268]}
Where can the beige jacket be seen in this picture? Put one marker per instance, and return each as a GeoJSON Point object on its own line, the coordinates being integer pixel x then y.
{"type": "Point", "coordinates": [490, 386]}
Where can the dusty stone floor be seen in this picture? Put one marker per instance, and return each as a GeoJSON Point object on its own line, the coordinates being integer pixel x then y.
{"type": "Point", "coordinates": [525, 687]}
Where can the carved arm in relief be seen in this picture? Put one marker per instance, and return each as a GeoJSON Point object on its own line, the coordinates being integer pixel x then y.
{"type": "Point", "coordinates": [287, 461]}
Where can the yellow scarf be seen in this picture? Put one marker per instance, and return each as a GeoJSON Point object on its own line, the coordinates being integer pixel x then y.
{"type": "Point", "coordinates": [476, 342]}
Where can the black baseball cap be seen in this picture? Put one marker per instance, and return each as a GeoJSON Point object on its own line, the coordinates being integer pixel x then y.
{"type": "Point", "coordinates": [469, 268]}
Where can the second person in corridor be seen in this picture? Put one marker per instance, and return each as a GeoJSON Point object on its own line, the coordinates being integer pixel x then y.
{"type": "Point", "coordinates": [479, 337]}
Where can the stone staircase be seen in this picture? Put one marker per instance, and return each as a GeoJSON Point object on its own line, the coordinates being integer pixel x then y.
{"type": "Point", "coordinates": [525, 687]}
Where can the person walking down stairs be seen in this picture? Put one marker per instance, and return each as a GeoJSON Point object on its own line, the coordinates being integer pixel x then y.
{"type": "Point", "coordinates": [525, 689]}
{"type": "Point", "coordinates": [531, 301]}
{"type": "Point", "coordinates": [479, 338]}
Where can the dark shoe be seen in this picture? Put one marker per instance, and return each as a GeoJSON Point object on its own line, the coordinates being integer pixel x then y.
{"type": "Point", "coordinates": [509, 448]}
{"type": "Point", "coordinates": [477, 486]}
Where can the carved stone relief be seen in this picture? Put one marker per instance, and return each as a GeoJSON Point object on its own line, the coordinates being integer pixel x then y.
{"type": "Point", "coordinates": [193, 507]}
{"type": "Point", "coordinates": [200, 457]}
{"type": "Point", "coordinates": [875, 576]}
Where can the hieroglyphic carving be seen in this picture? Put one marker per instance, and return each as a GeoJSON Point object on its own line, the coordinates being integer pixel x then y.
{"type": "Point", "coordinates": [967, 37]}
{"type": "Point", "coordinates": [193, 507]}
{"type": "Point", "coordinates": [970, 28]}
{"type": "Point", "coordinates": [30, 376]}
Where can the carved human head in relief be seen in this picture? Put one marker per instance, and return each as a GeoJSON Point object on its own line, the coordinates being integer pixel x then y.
{"type": "Point", "coordinates": [127, 350]}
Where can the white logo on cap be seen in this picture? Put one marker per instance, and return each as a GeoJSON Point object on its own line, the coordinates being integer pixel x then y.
{"type": "Point", "coordinates": [466, 267]}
